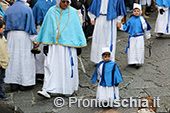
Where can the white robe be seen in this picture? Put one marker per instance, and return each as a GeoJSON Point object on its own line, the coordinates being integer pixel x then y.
{"type": "Point", "coordinates": [21, 68]}
{"type": "Point", "coordinates": [105, 93]}
{"type": "Point", "coordinates": [39, 57]}
{"type": "Point", "coordinates": [145, 2]}
{"type": "Point", "coordinates": [162, 21]}
{"type": "Point", "coordinates": [102, 34]}
{"type": "Point", "coordinates": [58, 70]}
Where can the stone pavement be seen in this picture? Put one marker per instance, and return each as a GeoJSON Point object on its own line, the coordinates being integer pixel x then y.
{"type": "Point", "coordinates": [152, 79]}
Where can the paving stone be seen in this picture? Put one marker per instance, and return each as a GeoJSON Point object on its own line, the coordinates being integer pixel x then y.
{"type": "Point", "coordinates": [159, 91]}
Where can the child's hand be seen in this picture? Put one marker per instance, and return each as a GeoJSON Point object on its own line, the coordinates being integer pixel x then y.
{"type": "Point", "coordinates": [118, 24]}
{"type": "Point", "coordinates": [149, 41]}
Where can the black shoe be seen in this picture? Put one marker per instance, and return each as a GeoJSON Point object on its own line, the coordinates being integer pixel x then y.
{"type": "Point", "coordinates": [14, 87]}
{"type": "Point", "coordinates": [24, 88]}
{"type": "Point", "coordinates": [3, 97]}
{"type": "Point", "coordinates": [137, 66]}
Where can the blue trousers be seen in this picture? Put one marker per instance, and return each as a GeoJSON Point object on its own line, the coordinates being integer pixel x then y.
{"type": "Point", "coordinates": [2, 85]}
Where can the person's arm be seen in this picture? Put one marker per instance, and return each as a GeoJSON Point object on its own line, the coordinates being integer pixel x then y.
{"type": "Point", "coordinates": [92, 17]}
{"type": "Point", "coordinates": [145, 28]}
{"type": "Point", "coordinates": [33, 38]}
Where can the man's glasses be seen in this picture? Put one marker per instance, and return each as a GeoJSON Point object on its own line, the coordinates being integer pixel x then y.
{"type": "Point", "coordinates": [65, 1]}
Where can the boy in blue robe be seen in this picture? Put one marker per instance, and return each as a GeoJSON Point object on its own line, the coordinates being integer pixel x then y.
{"type": "Point", "coordinates": [109, 76]}
{"type": "Point", "coordinates": [136, 27]}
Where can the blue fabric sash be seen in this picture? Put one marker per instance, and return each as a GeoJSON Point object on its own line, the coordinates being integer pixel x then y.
{"type": "Point", "coordinates": [128, 44]}
{"type": "Point", "coordinates": [72, 63]}
{"type": "Point", "coordinates": [111, 46]}
{"type": "Point", "coordinates": [167, 29]}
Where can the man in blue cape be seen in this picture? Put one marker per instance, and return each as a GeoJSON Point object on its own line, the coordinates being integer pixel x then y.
{"type": "Point", "coordinates": [108, 13]}
{"type": "Point", "coordinates": [39, 11]}
{"type": "Point", "coordinates": [21, 33]}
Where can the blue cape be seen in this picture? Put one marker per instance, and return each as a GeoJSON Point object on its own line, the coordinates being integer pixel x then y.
{"type": "Point", "coordinates": [163, 2]}
{"type": "Point", "coordinates": [1, 11]}
{"type": "Point", "coordinates": [115, 8]}
{"type": "Point", "coordinates": [111, 74]}
{"type": "Point", "coordinates": [134, 25]}
{"type": "Point", "coordinates": [40, 9]}
{"type": "Point", "coordinates": [70, 29]}
{"type": "Point", "coordinates": [19, 17]}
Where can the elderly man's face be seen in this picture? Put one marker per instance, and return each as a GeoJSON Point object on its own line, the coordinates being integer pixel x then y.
{"type": "Point", "coordinates": [64, 4]}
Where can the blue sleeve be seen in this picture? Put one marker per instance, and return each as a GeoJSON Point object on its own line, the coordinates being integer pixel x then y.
{"type": "Point", "coordinates": [117, 75]}
{"type": "Point", "coordinates": [94, 77]}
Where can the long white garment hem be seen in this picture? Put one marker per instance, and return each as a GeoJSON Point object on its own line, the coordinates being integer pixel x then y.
{"type": "Point", "coordinates": [21, 68]}
{"type": "Point", "coordinates": [136, 50]}
{"type": "Point", "coordinates": [102, 38]}
{"type": "Point", "coordinates": [57, 67]}
{"type": "Point", "coordinates": [107, 93]}
{"type": "Point", "coordinates": [162, 22]}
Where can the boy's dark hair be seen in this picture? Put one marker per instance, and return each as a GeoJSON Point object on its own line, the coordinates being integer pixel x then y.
{"type": "Point", "coordinates": [106, 53]}
{"type": "Point", "coordinates": [1, 23]}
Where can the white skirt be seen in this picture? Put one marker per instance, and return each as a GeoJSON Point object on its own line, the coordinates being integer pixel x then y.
{"type": "Point", "coordinates": [102, 38]}
{"type": "Point", "coordinates": [21, 68]}
{"type": "Point", "coordinates": [136, 50]}
{"type": "Point", "coordinates": [162, 22]}
{"type": "Point", "coordinates": [107, 93]}
{"type": "Point", "coordinates": [58, 72]}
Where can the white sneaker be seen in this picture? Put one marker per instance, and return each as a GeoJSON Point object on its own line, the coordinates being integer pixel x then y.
{"type": "Point", "coordinates": [44, 94]}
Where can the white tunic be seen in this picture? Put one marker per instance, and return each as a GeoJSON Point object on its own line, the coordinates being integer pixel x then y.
{"type": "Point", "coordinates": [39, 57]}
{"type": "Point", "coordinates": [136, 50]}
{"type": "Point", "coordinates": [162, 21]}
{"type": "Point", "coordinates": [105, 93]}
{"type": "Point", "coordinates": [102, 34]}
{"type": "Point", "coordinates": [58, 70]}
{"type": "Point", "coordinates": [21, 68]}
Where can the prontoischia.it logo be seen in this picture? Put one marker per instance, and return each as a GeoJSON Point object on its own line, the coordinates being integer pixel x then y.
{"type": "Point", "coordinates": [130, 102]}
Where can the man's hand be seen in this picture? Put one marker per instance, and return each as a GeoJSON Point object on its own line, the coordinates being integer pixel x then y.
{"type": "Point", "coordinates": [118, 24]}
{"type": "Point", "coordinates": [0, 66]}
{"type": "Point", "coordinates": [37, 44]}
{"type": "Point", "coordinates": [92, 22]}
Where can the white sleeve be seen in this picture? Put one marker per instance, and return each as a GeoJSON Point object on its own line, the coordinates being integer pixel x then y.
{"type": "Point", "coordinates": [33, 38]}
{"type": "Point", "coordinates": [119, 18]}
{"type": "Point", "coordinates": [144, 25]}
{"type": "Point", "coordinates": [121, 27]}
{"type": "Point", "coordinates": [92, 16]}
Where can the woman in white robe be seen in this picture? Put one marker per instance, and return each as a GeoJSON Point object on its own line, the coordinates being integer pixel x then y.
{"type": "Point", "coordinates": [60, 65]}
